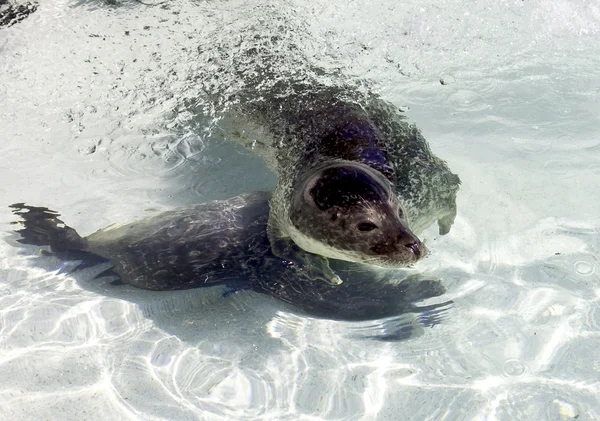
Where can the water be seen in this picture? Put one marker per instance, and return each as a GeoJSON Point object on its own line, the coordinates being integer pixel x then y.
{"type": "Point", "coordinates": [96, 123]}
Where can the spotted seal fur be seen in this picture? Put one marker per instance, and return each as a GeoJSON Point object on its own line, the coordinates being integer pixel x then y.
{"type": "Point", "coordinates": [12, 12]}
{"type": "Point", "coordinates": [356, 182]}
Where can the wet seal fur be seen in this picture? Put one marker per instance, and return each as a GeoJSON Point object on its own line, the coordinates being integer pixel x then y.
{"type": "Point", "coordinates": [218, 243]}
{"type": "Point", "coordinates": [356, 182]}
{"type": "Point", "coordinates": [12, 13]}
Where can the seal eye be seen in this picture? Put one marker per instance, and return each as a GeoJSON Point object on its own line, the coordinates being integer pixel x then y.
{"type": "Point", "coordinates": [366, 226]}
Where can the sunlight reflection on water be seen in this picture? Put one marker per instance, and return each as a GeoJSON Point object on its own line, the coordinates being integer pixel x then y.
{"type": "Point", "coordinates": [104, 119]}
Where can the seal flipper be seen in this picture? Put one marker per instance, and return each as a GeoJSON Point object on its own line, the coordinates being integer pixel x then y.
{"type": "Point", "coordinates": [452, 183]}
{"type": "Point", "coordinates": [313, 266]}
{"type": "Point", "coordinates": [41, 227]}
{"type": "Point", "coordinates": [355, 299]}
{"type": "Point", "coordinates": [446, 222]}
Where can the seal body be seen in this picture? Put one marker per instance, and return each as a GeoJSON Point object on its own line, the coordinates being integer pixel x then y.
{"type": "Point", "coordinates": [356, 182]}
{"type": "Point", "coordinates": [219, 243]}
{"type": "Point", "coordinates": [200, 245]}
{"type": "Point", "coordinates": [320, 130]}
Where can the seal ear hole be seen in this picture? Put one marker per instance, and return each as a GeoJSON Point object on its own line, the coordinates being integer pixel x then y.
{"type": "Point", "coordinates": [366, 226]}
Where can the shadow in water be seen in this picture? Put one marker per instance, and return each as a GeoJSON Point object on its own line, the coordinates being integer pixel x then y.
{"type": "Point", "coordinates": [219, 252]}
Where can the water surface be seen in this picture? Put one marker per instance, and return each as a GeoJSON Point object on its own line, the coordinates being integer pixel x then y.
{"type": "Point", "coordinates": [104, 117]}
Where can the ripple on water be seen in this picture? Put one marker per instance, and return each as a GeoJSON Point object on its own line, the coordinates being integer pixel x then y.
{"type": "Point", "coordinates": [294, 379]}
{"type": "Point", "coordinates": [549, 400]}
{"type": "Point", "coordinates": [533, 145]}
{"type": "Point", "coordinates": [560, 273]}
{"type": "Point", "coordinates": [564, 167]}
{"type": "Point", "coordinates": [467, 100]}
{"type": "Point", "coordinates": [315, 355]}
{"type": "Point", "coordinates": [140, 154]}
{"type": "Point", "coordinates": [592, 321]}
{"type": "Point", "coordinates": [585, 268]}
{"type": "Point", "coordinates": [206, 382]}
{"type": "Point", "coordinates": [513, 367]}
{"type": "Point", "coordinates": [135, 384]}
{"type": "Point", "coordinates": [594, 168]}
{"type": "Point", "coordinates": [581, 372]}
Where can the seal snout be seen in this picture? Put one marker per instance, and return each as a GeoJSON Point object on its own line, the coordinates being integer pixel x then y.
{"type": "Point", "coordinates": [409, 243]}
{"type": "Point", "coordinates": [416, 248]}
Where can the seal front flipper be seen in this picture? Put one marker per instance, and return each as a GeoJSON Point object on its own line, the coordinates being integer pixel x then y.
{"type": "Point", "coordinates": [446, 222]}
{"type": "Point", "coordinates": [313, 266]}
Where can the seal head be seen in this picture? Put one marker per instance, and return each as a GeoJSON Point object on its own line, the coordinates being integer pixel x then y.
{"type": "Point", "coordinates": [348, 211]}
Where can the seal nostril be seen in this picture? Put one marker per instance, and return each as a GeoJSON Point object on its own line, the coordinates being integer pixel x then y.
{"type": "Point", "coordinates": [415, 248]}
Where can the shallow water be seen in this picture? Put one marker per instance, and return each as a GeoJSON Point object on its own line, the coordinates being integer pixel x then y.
{"type": "Point", "coordinates": [96, 123]}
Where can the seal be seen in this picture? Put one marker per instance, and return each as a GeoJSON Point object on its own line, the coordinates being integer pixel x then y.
{"type": "Point", "coordinates": [356, 182]}
{"type": "Point", "coordinates": [178, 249]}
{"type": "Point", "coordinates": [221, 243]}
